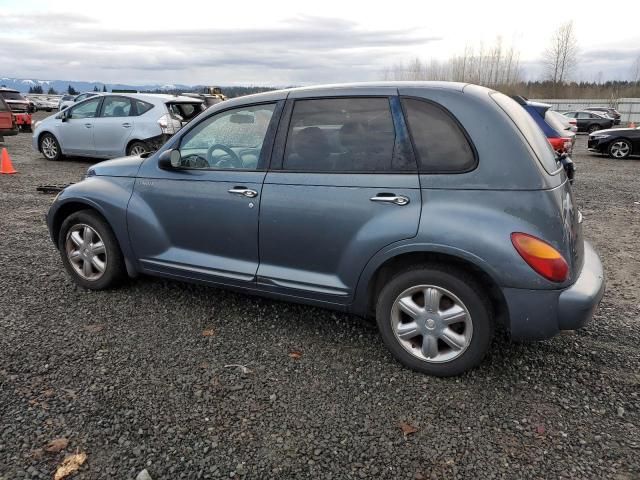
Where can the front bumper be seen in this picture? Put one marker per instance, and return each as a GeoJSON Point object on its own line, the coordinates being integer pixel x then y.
{"type": "Point", "coordinates": [540, 314]}
{"type": "Point", "coordinates": [597, 144]}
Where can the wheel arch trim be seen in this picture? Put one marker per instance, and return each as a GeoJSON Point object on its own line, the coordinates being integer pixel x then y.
{"type": "Point", "coordinates": [361, 299]}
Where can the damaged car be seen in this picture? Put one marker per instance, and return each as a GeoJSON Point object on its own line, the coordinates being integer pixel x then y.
{"type": "Point", "coordinates": [114, 125]}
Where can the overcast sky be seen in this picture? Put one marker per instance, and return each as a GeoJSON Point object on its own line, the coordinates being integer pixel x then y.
{"type": "Point", "coordinates": [282, 42]}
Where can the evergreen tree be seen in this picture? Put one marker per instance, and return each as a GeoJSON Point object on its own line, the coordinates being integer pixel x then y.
{"type": "Point", "coordinates": [36, 89]}
{"type": "Point", "coordinates": [51, 91]}
{"type": "Point", "coordinates": [95, 88]}
{"type": "Point", "coordinates": [71, 90]}
{"type": "Point", "coordinates": [104, 88]}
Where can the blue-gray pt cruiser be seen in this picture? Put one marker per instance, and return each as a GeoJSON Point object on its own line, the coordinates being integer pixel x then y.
{"type": "Point", "coordinates": [437, 208]}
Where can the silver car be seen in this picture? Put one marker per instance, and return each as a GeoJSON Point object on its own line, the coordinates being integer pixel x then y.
{"type": "Point", "coordinates": [114, 125]}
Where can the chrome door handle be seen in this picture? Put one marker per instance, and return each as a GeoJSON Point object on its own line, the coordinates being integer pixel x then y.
{"type": "Point", "coordinates": [88, 125]}
{"type": "Point", "coordinates": [247, 192]}
{"type": "Point", "coordinates": [395, 199]}
{"type": "Point", "coordinates": [126, 125]}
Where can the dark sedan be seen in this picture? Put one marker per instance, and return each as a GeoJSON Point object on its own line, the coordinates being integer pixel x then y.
{"type": "Point", "coordinates": [590, 121]}
{"type": "Point", "coordinates": [618, 143]}
{"type": "Point", "coordinates": [612, 112]}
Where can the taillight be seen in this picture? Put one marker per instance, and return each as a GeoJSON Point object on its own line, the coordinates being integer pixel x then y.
{"type": "Point", "coordinates": [541, 256]}
{"type": "Point", "coordinates": [557, 143]}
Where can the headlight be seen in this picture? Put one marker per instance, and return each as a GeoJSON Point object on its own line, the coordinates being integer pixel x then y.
{"type": "Point", "coordinates": [600, 137]}
{"type": "Point", "coordinates": [35, 125]}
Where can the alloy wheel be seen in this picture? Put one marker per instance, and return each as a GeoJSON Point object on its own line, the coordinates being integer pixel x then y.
{"type": "Point", "coordinates": [86, 252]}
{"type": "Point", "coordinates": [620, 149]}
{"type": "Point", "coordinates": [431, 323]}
{"type": "Point", "coordinates": [49, 147]}
{"type": "Point", "coordinates": [137, 150]}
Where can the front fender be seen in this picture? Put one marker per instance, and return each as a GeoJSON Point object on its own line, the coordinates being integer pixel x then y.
{"type": "Point", "coordinates": [109, 196]}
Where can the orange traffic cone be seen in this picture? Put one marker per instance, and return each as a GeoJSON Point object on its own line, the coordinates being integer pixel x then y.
{"type": "Point", "coordinates": [5, 163]}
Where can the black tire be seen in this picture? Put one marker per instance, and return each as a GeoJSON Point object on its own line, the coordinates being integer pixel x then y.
{"type": "Point", "coordinates": [617, 151]}
{"type": "Point", "coordinates": [115, 270]}
{"type": "Point", "coordinates": [136, 145]}
{"type": "Point", "coordinates": [593, 128]}
{"type": "Point", "coordinates": [460, 284]}
{"type": "Point", "coordinates": [58, 150]}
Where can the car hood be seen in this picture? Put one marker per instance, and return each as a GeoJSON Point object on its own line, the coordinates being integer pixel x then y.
{"type": "Point", "coordinates": [118, 167]}
{"type": "Point", "coordinates": [610, 131]}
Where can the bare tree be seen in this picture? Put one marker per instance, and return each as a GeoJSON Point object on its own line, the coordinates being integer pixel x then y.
{"type": "Point", "coordinates": [561, 56]}
{"type": "Point", "coordinates": [635, 70]}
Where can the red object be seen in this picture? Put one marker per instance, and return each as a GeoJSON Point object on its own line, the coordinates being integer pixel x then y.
{"type": "Point", "coordinates": [561, 144]}
{"type": "Point", "coordinates": [5, 163]}
{"type": "Point", "coordinates": [541, 256]}
{"type": "Point", "coordinates": [22, 118]}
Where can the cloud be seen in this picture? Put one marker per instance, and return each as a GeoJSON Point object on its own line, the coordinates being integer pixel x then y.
{"type": "Point", "coordinates": [302, 49]}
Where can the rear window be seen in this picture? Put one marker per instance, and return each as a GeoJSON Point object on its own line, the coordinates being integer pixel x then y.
{"type": "Point", "coordinates": [530, 130]}
{"type": "Point", "coordinates": [12, 95]}
{"type": "Point", "coordinates": [185, 110]}
{"type": "Point", "coordinates": [557, 121]}
{"type": "Point", "coordinates": [439, 141]}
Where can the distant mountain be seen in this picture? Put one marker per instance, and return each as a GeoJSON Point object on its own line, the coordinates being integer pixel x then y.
{"type": "Point", "coordinates": [61, 86]}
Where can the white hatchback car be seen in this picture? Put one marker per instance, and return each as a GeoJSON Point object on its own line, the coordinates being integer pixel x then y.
{"type": "Point", "coordinates": [114, 125]}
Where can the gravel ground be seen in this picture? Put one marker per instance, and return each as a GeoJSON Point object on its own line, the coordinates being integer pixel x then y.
{"type": "Point", "coordinates": [140, 377]}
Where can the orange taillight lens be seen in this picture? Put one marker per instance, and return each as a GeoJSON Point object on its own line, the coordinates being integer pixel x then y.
{"type": "Point", "coordinates": [541, 256]}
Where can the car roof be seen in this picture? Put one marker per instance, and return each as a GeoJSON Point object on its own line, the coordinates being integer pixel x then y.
{"type": "Point", "coordinates": [156, 98]}
{"type": "Point", "coordinates": [5, 89]}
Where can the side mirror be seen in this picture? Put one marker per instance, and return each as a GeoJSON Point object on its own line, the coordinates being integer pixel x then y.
{"type": "Point", "coordinates": [170, 159]}
{"type": "Point", "coordinates": [64, 115]}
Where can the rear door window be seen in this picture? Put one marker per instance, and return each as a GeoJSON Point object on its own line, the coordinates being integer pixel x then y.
{"type": "Point", "coordinates": [340, 135]}
{"type": "Point", "coordinates": [439, 141]}
{"type": "Point", "coordinates": [116, 107]}
{"type": "Point", "coordinates": [531, 132]}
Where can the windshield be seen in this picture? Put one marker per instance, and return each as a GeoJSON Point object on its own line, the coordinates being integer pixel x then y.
{"type": "Point", "coordinates": [12, 96]}
{"type": "Point", "coordinates": [530, 130]}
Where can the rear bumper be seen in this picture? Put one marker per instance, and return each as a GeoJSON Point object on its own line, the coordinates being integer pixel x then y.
{"type": "Point", "coordinates": [9, 132]}
{"type": "Point", "coordinates": [540, 314]}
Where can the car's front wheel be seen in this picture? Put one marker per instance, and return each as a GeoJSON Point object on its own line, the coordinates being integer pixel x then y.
{"type": "Point", "coordinates": [90, 251]}
{"type": "Point", "coordinates": [620, 149]}
{"type": "Point", "coordinates": [50, 147]}
{"type": "Point", "coordinates": [435, 319]}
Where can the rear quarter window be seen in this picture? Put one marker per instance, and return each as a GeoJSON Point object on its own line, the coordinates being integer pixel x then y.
{"type": "Point", "coordinates": [440, 143]}
{"type": "Point", "coordinates": [3, 106]}
{"type": "Point", "coordinates": [141, 107]}
{"type": "Point", "coordinates": [530, 130]}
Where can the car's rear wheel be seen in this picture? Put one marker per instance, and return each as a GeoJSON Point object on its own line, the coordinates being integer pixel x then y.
{"type": "Point", "coordinates": [137, 148]}
{"type": "Point", "coordinates": [435, 319]}
{"type": "Point", "coordinates": [50, 147]}
{"type": "Point", "coordinates": [90, 251]}
{"type": "Point", "coordinates": [620, 149]}
{"type": "Point", "coordinates": [593, 128]}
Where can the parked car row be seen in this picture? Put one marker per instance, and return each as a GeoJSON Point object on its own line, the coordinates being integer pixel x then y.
{"type": "Point", "coordinates": [43, 103]}
{"type": "Point", "coordinates": [108, 125]}
{"type": "Point", "coordinates": [380, 200]}
{"type": "Point", "coordinates": [8, 126]}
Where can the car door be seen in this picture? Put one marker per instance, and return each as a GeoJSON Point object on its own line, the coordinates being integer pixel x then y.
{"type": "Point", "coordinates": [583, 119]}
{"type": "Point", "coordinates": [75, 132]}
{"type": "Point", "coordinates": [113, 126]}
{"type": "Point", "coordinates": [200, 221]}
{"type": "Point", "coordinates": [343, 184]}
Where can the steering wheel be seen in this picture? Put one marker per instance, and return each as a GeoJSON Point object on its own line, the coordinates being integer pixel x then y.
{"type": "Point", "coordinates": [234, 160]}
